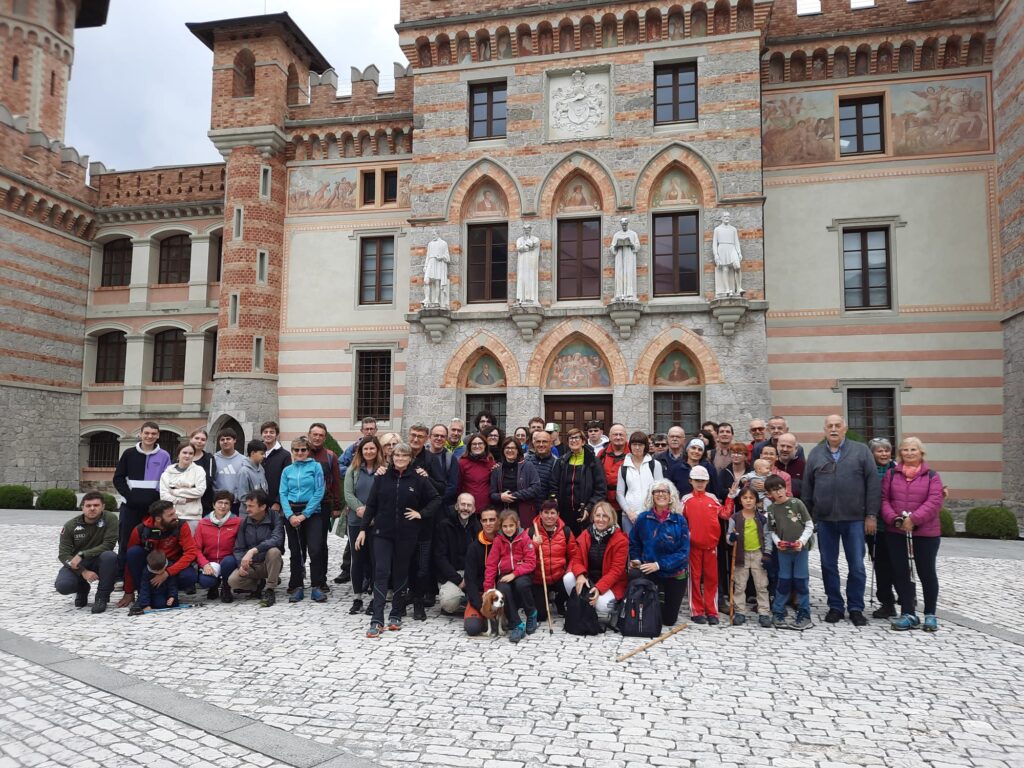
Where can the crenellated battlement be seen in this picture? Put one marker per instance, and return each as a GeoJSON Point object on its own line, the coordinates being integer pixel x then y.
{"type": "Point", "coordinates": [159, 186]}
{"type": "Point", "coordinates": [836, 17]}
{"type": "Point", "coordinates": [365, 100]}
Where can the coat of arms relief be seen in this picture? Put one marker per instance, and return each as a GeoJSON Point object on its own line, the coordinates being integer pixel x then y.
{"type": "Point", "coordinates": [578, 105]}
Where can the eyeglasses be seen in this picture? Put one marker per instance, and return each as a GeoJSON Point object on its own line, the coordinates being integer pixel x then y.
{"type": "Point", "coordinates": [660, 444]}
{"type": "Point", "coordinates": [300, 450]}
{"type": "Point", "coordinates": [660, 491]}
{"type": "Point", "coordinates": [575, 437]}
{"type": "Point", "coordinates": [758, 429]}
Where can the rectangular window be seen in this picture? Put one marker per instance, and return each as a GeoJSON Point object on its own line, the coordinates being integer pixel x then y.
{"type": "Point", "coordinates": [369, 187]}
{"type": "Point", "coordinates": [860, 126]}
{"type": "Point", "coordinates": [856, 4]}
{"type": "Point", "coordinates": [487, 264]}
{"type": "Point", "coordinates": [804, 7]}
{"type": "Point", "coordinates": [218, 248]}
{"type": "Point", "coordinates": [487, 110]}
{"type": "Point", "coordinates": [871, 412]}
{"type": "Point", "coordinates": [579, 259]}
{"type": "Point", "coordinates": [111, 353]}
{"type": "Point", "coordinates": [236, 229]}
{"type": "Point", "coordinates": [677, 408]}
{"type": "Point", "coordinates": [233, 303]}
{"type": "Point", "coordinates": [389, 186]}
{"type": "Point", "coordinates": [262, 260]}
{"type": "Point", "coordinates": [257, 353]}
{"type": "Point", "coordinates": [866, 269]}
{"type": "Point", "coordinates": [494, 404]}
{"type": "Point", "coordinates": [376, 270]}
{"type": "Point", "coordinates": [117, 263]}
{"type": "Point", "coordinates": [676, 254]}
{"type": "Point", "coordinates": [265, 181]}
{"type": "Point", "coordinates": [373, 384]}
{"type": "Point", "coordinates": [175, 260]}
{"type": "Point", "coordinates": [675, 93]}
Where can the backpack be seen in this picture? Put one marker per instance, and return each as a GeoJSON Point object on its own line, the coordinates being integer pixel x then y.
{"type": "Point", "coordinates": [640, 613]}
{"type": "Point", "coordinates": [581, 616]}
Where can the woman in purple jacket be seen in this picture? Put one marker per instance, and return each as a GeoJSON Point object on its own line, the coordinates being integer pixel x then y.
{"type": "Point", "coordinates": [911, 501]}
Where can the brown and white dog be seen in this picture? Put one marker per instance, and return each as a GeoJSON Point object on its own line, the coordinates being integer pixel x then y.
{"type": "Point", "coordinates": [493, 608]}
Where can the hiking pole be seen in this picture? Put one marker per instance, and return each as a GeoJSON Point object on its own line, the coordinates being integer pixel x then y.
{"type": "Point", "coordinates": [871, 554]}
{"type": "Point", "coordinates": [544, 580]}
{"type": "Point", "coordinates": [732, 570]}
{"type": "Point", "coordinates": [651, 643]}
{"type": "Point", "coordinates": [910, 551]}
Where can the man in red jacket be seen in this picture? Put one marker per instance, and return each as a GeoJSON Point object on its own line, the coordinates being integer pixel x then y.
{"type": "Point", "coordinates": [702, 510]}
{"type": "Point", "coordinates": [161, 530]}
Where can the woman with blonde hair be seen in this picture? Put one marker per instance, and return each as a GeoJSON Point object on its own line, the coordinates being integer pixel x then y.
{"type": "Point", "coordinates": [602, 551]}
{"type": "Point", "coordinates": [659, 547]}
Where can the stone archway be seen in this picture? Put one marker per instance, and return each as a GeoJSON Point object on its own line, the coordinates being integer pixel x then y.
{"type": "Point", "coordinates": [692, 345]}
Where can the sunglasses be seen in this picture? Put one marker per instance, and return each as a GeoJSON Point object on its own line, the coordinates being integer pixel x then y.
{"type": "Point", "coordinates": [300, 450]}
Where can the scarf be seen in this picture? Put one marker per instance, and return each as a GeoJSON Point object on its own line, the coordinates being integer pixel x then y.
{"type": "Point", "coordinates": [212, 517]}
{"type": "Point", "coordinates": [911, 472]}
{"type": "Point", "coordinates": [660, 516]}
{"type": "Point", "coordinates": [597, 536]}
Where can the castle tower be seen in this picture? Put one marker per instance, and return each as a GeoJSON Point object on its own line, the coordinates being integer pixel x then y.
{"type": "Point", "coordinates": [37, 47]}
{"type": "Point", "coordinates": [255, 65]}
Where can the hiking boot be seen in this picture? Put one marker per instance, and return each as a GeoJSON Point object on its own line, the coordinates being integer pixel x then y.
{"type": "Point", "coordinates": [268, 599]}
{"type": "Point", "coordinates": [296, 595]}
{"type": "Point", "coordinates": [833, 616]}
{"type": "Point", "coordinates": [765, 621]}
{"type": "Point", "coordinates": [884, 611]}
{"type": "Point", "coordinates": [375, 631]}
{"type": "Point", "coordinates": [369, 609]}
{"type": "Point", "coordinates": [738, 620]}
{"type": "Point", "coordinates": [802, 623]}
{"type": "Point", "coordinates": [699, 619]}
{"type": "Point", "coordinates": [779, 622]}
{"type": "Point", "coordinates": [100, 605]}
{"type": "Point", "coordinates": [357, 607]}
{"type": "Point", "coordinates": [136, 610]}
{"type": "Point", "coordinates": [418, 612]}
{"type": "Point", "coordinates": [531, 622]}
{"type": "Point", "coordinates": [213, 592]}
{"type": "Point", "coordinates": [713, 621]}
{"type": "Point", "coordinates": [395, 623]}
{"type": "Point", "coordinates": [191, 590]}
{"type": "Point", "coordinates": [81, 598]}
{"type": "Point", "coordinates": [343, 578]}
{"type": "Point", "coordinates": [226, 595]}
{"type": "Point", "coordinates": [905, 622]}
{"type": "Point", "coordinates": [518, 633]}
{"type": "Point", "coordinates": [317, 595]}
{"type": "Point", "coordinates": [858, 619]}
{"type": "Point", "coordinates": [429, 601]}
{"type": "Point", "coordinates": [931, 624]}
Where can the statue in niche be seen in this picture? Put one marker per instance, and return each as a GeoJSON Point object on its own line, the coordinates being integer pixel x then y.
{"type": "Point", "coordinates": [465, 56]}
{"type": "Point", "coordinates": [528, 248]}
{"type": "Point", "coordinates": [675, 27]}
{"type": "Point", "coordinates": [483, 49]}
{"type": "Point", "coordinates": [587, 36]}
{"type": "Point", "coordinates": [444, 55]}
{"type": "Point", "coordinates": [435, 272]}
{"type": "Point", "coordinates": [625, 247]}
{"type": "Point", "coordinates": [725, 245]}
{"type": "Point", "coordinates": [504, 46]}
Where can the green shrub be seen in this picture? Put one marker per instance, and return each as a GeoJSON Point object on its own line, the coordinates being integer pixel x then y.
{"type": "Point", "coordinates": [332, 445]}
{"type": "Point", "coordinates": [57, 498]}
{"type": "Point", "coordinates": [946, 521]}
{"type": "Point", "coordinates": [110, 502]}
{"type": "Point", "coordinates": [15, 497]}
{"type": "Point", "coordinates": [992, 523]}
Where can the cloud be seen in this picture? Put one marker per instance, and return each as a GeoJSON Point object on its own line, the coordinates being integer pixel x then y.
{"type": "Point", "coordinates": [140, 86]}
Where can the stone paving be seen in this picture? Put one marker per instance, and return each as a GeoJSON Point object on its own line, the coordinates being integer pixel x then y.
{"type": "Point", "coordinates": [832, 696]}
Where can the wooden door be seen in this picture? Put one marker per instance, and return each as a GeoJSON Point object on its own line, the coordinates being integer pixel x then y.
{"type": "Point", "coordinates": [569, 412]}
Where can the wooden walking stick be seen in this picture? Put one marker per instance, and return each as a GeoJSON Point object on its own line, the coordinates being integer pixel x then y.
{"type": "Point", "coordinates": [732, 570]}
{"type": "Point", "coordinates": [544, 580]}
{"type": "Point", "coordinates": [652, 643]}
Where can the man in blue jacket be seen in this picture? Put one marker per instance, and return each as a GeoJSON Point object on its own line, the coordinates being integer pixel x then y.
{"type": "Point", "coordinates": [258, 548]}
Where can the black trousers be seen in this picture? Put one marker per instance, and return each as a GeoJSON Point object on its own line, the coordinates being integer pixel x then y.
{"type": "Point", "coordinates": [128, 518]}
{"type": "Point", "coordinates": [391, 561]}
{"type": "Point", "coordinates": [878, 548]}
{"type": "Point", "coordinates": [518, 594]}
{"type": "Point", "coordinates": [309, 538]}
{"type": "Point", "coordinates": [926, 551]}
{"type": "Point", "coordinates": [104, 565]}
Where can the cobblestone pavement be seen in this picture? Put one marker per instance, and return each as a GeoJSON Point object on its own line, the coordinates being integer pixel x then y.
{"type": "Point", "coordinates": [831, 696]}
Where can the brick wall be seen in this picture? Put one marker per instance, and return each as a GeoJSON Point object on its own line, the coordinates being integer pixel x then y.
{"type": "Point", "coordinates": [160, 186]}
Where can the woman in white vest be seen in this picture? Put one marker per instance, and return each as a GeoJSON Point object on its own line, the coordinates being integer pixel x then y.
{"type": "Point", "coordinates": [637, 474]}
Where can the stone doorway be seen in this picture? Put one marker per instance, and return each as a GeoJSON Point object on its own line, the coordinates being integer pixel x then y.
{"type": "Point", "coordinates": [575, 411]}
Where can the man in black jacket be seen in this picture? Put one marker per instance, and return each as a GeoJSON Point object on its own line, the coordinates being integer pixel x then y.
{"type": "Point", "coordinates": [452, 539]}
{"type": "Point", "coordinates": [258, 548]}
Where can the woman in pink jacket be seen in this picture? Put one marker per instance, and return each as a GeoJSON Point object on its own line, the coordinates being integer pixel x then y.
{"type": "Point", "coordinates": [510, 567]}
{"type": "Point", "coordinates": [911, 501]}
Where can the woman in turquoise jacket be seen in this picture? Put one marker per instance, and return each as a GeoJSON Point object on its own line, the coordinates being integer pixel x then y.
{"type": "Point", "coordinates": [302, 491]}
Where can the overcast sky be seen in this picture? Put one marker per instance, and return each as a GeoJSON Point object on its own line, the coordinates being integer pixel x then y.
{"type": "Point", "coordinates": [140, 86]}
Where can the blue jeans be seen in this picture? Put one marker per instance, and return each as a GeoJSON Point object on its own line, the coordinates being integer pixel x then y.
{"type": "Point", "coordinates": [227, 567]}
{"type": "Point", "coordinates": [793, 577]}
{"type": "Point", "coordinates": [851, 534]}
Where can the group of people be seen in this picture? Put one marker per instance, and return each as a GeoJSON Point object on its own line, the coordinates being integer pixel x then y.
{"type": "Point", "coordinates": [444, 517]}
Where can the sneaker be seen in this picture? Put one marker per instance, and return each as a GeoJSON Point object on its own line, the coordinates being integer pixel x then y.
{"type": "Point", "coordinates": [213, 593]}
{"type": "Point", "coordinates": [713, 621]}
{"type": "Point", "coordinates": [780, 622]}
{"type": "Point", "coordinates": [518, 633]}
{"type": "Point", "coordinates": [765, 621]}
{"type": "Point", "coordinates": [296, 595]}
{"type": "Point", "coordinates": [802, 623]}
{"type": "Point", "coordinates": [81, 598]}
{"type": "Point", "coordinates": [905, 622]}
{"type": "Point", "coordinates": [100, 605]}
{"type": "Point", "coordinates": [833, 616]}
{"type": "Point", "coordinates": [268, 599]}
{"type": "Point", "coordinates": [738, 619]}
{"type": "Point", "coordinates": [226, 595]}
{"type": "Point", "coordinates": [317, 596]}
{"type": "Point", "coordinates": [418, 611]}
{"type": "Point", "coordinates": [531, 622]}
{"type": "Point", "coordinates": [326, 588]}
{"type": "Point", "coordinates": [858, 619]}
{"type": "Point", "coordinates": [699, 619]}
{"type": "Point", "coordinates": [395, 623]}
{"type": "Point", "coordinates": [136, 610]}
{"type": "Point", "coordinates": [375, 631]}
{"type": "Point", "coordinates": [343, 578]}
{"type": "Point", "coordinates": [357, 607]}
{"type": "Point", "coordinates": [931, 624]}
{"type": "Point", "coordinates": [885, 611]}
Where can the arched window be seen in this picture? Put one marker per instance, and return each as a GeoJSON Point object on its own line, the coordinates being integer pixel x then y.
{"type": "Point", "coordinates": [244, 83]}
{"type": "Point", "coordinates": [907, 51]}
{"type": "Point", "coordinates": [175, 259]}
{"type": "Point", "coordinates": [169, 355]}
{"type": "Point", "coordinates": [169, 441]}
{"type": "Point", "coordinates": [103, 450]}
{"type": "Point", "coordinates": [976, 51]}
{"type": "Point", "coordinates": [111, 349]}
{"type": "Point", "coordinates": [117, 263]}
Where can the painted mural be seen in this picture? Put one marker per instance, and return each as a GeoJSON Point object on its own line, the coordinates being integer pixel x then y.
{"type": "Point", "coordinates": [578, 366]}
{"type": "Point", "coordinates": [486, 372]}
{"type": "Point", "coordinates": [579, 195]}
{"type": "Point", "coordinates": [676, 370]}
{"type": "Point", "coordinates": [322, 190]}
{"type": "Point", "coordinates": [798, 128]}
{"type": "Point", "coordinates": [676, 187]}
{"type": "Point", "coordinates": [944, 117]}
{"type": "Point", "coordinates": [487, 201]}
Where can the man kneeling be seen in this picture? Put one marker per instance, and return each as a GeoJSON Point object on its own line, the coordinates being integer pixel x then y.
{"type": "Point", "coordinates": [258, 548]}
{"type": "Point", "coordinates": [87, 552]}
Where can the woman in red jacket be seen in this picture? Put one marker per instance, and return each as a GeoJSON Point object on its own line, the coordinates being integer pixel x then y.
{"type": "Point", "coordinates": [215, 540]}
{"type": "Point", "coordinates": [602, 551]}
{"type": "Point", "coordinates": [557, 549]}
{"type": "Point", "coordinates": [510, 566]}
{"type": "Point", "coordinates": [475, 467]}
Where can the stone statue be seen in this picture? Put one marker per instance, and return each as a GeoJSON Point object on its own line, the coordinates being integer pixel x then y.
{"type": "Point", "coordinates": [725, 245]}
{"type": "Point", "coordinates": [435, 272]}
{"type": "Point", "coordinates": [625, 246]}
{"type": "Point", "coordinates": [528, 247]}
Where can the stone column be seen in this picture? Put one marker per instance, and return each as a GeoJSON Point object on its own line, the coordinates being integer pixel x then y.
{"type": "Point", "coordinates": [195, 356]}
{"type": "Point", "coordinates": [199, 269]}
{"type": "Point", "coordinates": [142, 270]}
{"type": "Point", "coordinates": [135, 371]}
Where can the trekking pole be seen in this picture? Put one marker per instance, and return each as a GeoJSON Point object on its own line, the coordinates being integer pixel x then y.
{"type": "Point", "coordinates": [910, 555]}
{"type": "Point", "coordinates": [871, 554]}
{"type": "Point", "coordinates": [544, 580]}
{"type": "Point", "coordinates": [732, 569]}
{"type": "Point", "coordinates": [651, 643]}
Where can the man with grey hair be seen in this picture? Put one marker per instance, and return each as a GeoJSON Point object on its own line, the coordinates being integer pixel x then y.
{"type": "Point", "coordinates": [843, 493]}
{"type": "Point", "coordinates": [455, 444]}
{"type": "Point", "coordinates": [451, 542]}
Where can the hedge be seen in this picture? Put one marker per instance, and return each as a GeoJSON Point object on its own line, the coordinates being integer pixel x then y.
{"type": "Point", "coordinates": [57, 498]}
{"type": "Point", "coordinates": [15, 497]}
{"type": "Point", "coordinates": [992, 523]}
{"type": "Point", "coordinates": [946, 521]}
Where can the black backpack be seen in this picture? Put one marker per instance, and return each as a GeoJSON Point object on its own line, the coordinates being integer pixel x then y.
{"type": "Point", "coordinates": [581, 616]}
{"type": "Point", "coordinates": [640, 613]}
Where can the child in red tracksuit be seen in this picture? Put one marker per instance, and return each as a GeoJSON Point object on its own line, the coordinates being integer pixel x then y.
{"type": "Point", "coordinates": [509, 569]}
{"type": "Point", "coordinates": [702, 511]}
